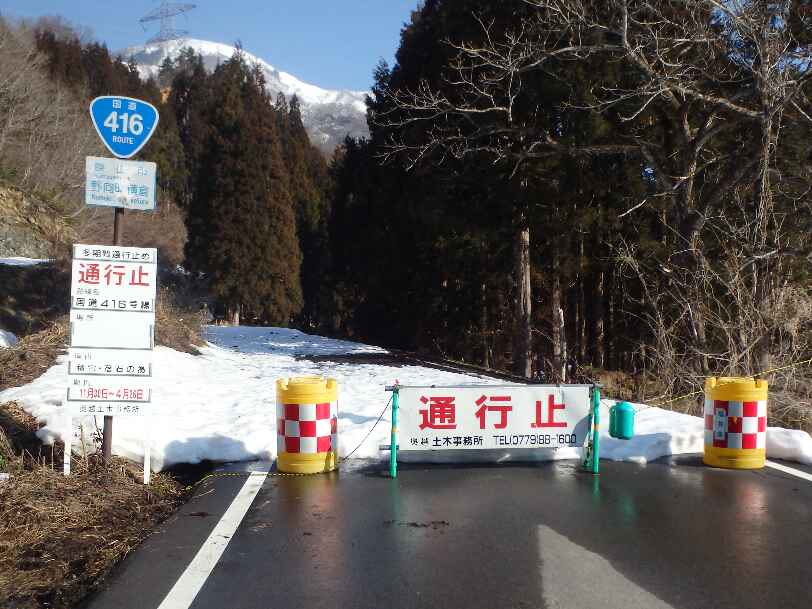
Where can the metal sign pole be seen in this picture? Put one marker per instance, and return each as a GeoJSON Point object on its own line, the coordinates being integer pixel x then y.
{"type": "Point", "coordinates": [393, 450]}
{"type": "Point", "coordinates": [596, 429]}
{"type": "Point", "coordinates": [592, 454]}
{"type": "Point", "coordinates": [107, 434]}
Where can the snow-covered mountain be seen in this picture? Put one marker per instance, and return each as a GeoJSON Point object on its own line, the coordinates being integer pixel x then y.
{"type": "Point", "coordinates": [328, 115]}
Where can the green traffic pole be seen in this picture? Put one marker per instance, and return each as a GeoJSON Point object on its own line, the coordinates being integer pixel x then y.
{"type": "Point", "coordinates": [589, 435]}
{"type": "Point", "coordinates": [393, 448]}
{"type": "Point", "coordinates": [596, 430]}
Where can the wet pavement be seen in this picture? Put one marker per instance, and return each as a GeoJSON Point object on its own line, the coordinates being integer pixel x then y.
{"type": "Point", "coordinates": [670, 534]}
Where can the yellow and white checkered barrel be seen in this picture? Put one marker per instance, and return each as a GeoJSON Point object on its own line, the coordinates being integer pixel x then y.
{"type": "Point", "coordinates": [307, 425]}
{"type": "Point", "coordinates": [735, 422]}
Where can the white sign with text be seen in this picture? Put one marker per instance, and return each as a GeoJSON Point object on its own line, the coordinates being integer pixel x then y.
{"type": "Point", "coordinates": [112, 328]}
{"type": "Point", "coordinates": [119, 183]}
{"type": "Point", "coordinates": [493, 417]}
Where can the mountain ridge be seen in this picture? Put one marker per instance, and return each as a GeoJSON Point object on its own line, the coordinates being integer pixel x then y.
{"type": "Point", "coordinates": [329, 115]}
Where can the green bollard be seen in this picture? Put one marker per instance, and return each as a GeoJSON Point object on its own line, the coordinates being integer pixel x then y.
{"type": "Point", "coordinates": [621, 421]}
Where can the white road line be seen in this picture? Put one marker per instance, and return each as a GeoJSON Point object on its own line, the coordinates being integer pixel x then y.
{"type": "Point", "coordinates": [185, 590]}
{"type": "Point", "coordinates": [789, 470]}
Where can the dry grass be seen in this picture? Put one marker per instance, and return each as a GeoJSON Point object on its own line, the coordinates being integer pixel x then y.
{"type": "Point", "coordinates": [790, 403]}
{"type": "Point", "coordinates": [164, 229]}
{"type": "Point", "coordinates": [175, 327]}
{"type": "Point", "coordinates": [616, 383]}
{"type": "Point", "coordinates": [33, 355]}
{"type": "Point", "coordinates": [59, 537]}
{"type": "Point", "coordinates": [32, 297]}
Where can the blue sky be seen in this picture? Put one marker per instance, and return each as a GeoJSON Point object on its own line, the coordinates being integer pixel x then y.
{"type": "Point", "coordinates": [330, 43]}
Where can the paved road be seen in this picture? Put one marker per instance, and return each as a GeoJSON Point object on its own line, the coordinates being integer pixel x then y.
{"type": "Point", "coordinates": [670, 534]}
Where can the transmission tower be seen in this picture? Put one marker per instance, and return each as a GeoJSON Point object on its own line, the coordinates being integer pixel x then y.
{"type": "Point", "coordinates": [166, 14]}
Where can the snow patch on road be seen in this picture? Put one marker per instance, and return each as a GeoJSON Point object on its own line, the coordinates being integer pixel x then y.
{"type": "Point", "coordinates": [221, 405]}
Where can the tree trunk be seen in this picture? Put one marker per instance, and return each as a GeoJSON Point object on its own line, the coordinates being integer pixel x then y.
{"type": "Point", "coordinates": [613, 327]}
{"type": "Point", "coordinates": [522, 341]}
{"type": "Point", "coordinates": [485, 358]}
{"type": "Point", "coordinates": [701, 335]}
{"type": "Point", "coordinates": [599, 357]}
{"type": "Point", "coordinates": [233, 314]}
{"type": "Point", "coordinates": [581, 329]}
{"type": "Point", "coordinates": [559, 334]}
{"type": "Point", "coordinates": [761, 274]}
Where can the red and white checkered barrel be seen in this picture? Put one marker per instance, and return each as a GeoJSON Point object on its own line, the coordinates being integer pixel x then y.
{"type": "Point", "coordinates": [735, 423]}
{"type": "Point", "coordinates": [307, 424]}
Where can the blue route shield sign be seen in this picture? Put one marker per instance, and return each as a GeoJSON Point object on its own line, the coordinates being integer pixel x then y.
{"type": "Point", "coordinates": [124, 124]}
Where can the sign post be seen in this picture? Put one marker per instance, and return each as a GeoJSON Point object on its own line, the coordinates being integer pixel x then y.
{"type": "Point", "coordinates": [124, 125]}
{"type": "Point", "coordinates": [112, 324]}
{"type": "Point", "coordinates": [107, 432]}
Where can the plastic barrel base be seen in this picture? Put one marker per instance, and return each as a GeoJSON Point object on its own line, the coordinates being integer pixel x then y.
{"type": "Point", "coordinates": [298, 463]}
{"type": "Point", "coordinates": [732, 458]}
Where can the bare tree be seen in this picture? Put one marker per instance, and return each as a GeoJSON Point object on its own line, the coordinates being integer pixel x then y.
{"type": "Point", "coordinates": [702, 96]}
{"type": "Point", "coordinates": [714, 83]}
{"type": "Point", "coordinates": [44, 134]}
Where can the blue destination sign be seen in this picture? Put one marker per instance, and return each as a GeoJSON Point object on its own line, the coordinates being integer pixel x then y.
{"type": "Point", "coordinates": [124, 124]}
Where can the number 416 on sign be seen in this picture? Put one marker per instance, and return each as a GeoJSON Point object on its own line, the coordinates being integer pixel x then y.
{"type": "Point", "coordinates": [124, 124]}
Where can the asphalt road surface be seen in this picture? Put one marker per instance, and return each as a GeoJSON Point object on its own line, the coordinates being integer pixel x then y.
{"type": "Point", "coordinates": [670, 534]}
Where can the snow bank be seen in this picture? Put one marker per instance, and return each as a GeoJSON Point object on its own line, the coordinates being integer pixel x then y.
{"type": "Point", "coordinates": [789, 444]}
{"type": "Point", "coordinates": [657, 433]}
{"type": "Point", "coordinates": [24, 261]}
{"type": "Point", "coordinates": [221, 405]}
{"type": "Point", "coordinates": [7, 339]}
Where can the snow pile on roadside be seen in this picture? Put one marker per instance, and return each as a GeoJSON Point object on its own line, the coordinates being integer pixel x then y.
{"type": "Point", "coordinates": [221, 405]}
{"type": "Point", "coordinates": [659, 433]}
{"type": "Point", "coordinates": [789, 444]}
{"type": "Point", "coordinates": [17, 261]}
{"type": "Point", "coordinates": [7, 339]}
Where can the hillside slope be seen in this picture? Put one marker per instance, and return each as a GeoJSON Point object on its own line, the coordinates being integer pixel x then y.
{"type": "Point", "coordinates": [29, 227]}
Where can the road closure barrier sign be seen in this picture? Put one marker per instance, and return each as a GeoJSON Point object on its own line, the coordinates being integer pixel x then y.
{"type": "Point", "coordinates": [493, 417]}
{"type": "Point", "coordinates": [112, 323]}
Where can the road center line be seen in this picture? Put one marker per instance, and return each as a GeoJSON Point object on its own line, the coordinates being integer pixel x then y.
{"type": "Point", "coordinates": [789, 470]}
{"type": "Point", "coordinates": [190, 582]}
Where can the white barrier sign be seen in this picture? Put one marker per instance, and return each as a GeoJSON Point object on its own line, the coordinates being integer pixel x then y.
{"type": "Point", "coordinates": [113, 292]}
{"type": "Point", "coordinates": [493, 417]}
{"type": "Point", "coordinates": [119, 183]}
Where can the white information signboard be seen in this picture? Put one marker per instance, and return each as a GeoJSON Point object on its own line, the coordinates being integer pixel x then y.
{"type": "Point", "coordinates": [113, 292]}
{"type": "Point", "coordinates": [119, 183]}
{"type": "Point", "coordinates": [493, 417]}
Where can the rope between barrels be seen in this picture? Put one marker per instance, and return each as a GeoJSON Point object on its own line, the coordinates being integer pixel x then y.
{"type": "Point", "coordinates": [285, 474]}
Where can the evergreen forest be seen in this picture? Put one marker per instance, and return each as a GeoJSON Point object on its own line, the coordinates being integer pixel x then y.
{"type": "Point", "coordinates": [566, 190]}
